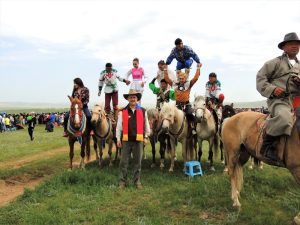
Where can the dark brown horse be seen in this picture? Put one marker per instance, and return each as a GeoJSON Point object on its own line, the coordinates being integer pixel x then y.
{"type": "Point", "coordinates": [241, 138]}
{"type": "Point", "coordinates": [77, 129]}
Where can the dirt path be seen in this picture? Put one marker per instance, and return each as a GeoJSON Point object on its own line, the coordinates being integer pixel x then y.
{"type": "Point", "coordinates": [12, 187]}
{"type": "Point", "coordinates": [17, 163]}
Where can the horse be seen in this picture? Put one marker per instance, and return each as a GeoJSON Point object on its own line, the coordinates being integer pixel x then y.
{"type": "Point", "coordinates": [103, 133]}
{"type": "Point", "coordinates": [206, 129]}
{"type": "Point", "coordinates": [77, 129]}
{"type": "Point", "coordinates": [174, 123]}
{"type": "Point", "coordinates": [156, 135]}
{"type": "Point", "coordinates": [241, 136]}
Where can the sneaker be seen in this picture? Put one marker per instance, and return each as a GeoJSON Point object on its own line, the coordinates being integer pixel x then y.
{"type": "Point", "coordinates": [65, 134]}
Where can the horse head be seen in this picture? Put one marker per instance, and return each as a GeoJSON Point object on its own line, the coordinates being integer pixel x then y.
{"type": "Point", "coordinates": [167, 115]}
{"type": "Point", "coordinates": [76, 112]}
{"type": "Point", "coordinates": [153, 118]}
{"type": "Point", "coordinates": [227, 111]}
{"type": "Point", "coordinates": [200, 108]}
{"type": "Point", "coordinates": [98, 114]}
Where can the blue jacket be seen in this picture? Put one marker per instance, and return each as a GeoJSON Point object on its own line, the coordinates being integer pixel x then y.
{"type": "Point", "coordinates": [187, 54]}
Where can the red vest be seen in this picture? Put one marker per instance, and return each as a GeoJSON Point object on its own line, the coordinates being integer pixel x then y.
{"type": "Point", "coordinates": [133, 124]}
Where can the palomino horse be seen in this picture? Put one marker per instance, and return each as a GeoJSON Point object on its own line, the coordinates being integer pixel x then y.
{"type": "Point", "coordinates": [175, 124]}
{"type": "Point", "coordinates": [156, 135]}
{"type": "Point", "coordinates": [206, 129]}
{"type": "Point", "coordinates": [103, 132]}
{"type": "Point", "coordinates": [241, 137]}
{"type": "Point", "coordinates": [77, 129]}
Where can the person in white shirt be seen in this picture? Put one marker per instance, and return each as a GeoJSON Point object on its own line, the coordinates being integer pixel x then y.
{"type": "Point", "coordinates": [109, 77]}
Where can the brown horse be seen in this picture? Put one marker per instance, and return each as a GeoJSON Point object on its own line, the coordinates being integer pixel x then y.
{"type": "Point", "coordinates": [103, 132]}
{"type": "Point", "coordinates": [78, 131]}
{"type": "Point", "coordinates": [241, 136]}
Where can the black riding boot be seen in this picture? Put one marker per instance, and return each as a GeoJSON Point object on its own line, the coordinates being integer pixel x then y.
{"type": "Point", "coordinates": [268, 148]}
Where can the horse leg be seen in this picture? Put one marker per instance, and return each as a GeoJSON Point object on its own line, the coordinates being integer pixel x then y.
{"type": "Point", "coordinates": [82, 154]}
{"type": "Point", "coordinates": [199, 149]}
{"type": "Point", "coordinates": [110, 144]}
{"type": "Point", "coordinates": [100, 153]}
{"type": "Point", "coordinates": [162, 149]}
{"type": "Point", "coordinates": [173, 149]}
{"type": "Point", "coordinates": [95, 148]}
{"type": "Point", "coordinates": [184, 153]}
{"type": "Point", "coordinates": [211, 156]}
{"type": "Point", "coordinates": [235, 172]}
{"type": "Point", "coordinates": [222, 153]}
{"type": "Point", "coordinates": [88, 148]}
{"type": "Point", "coordinates": [71, 153]}
{"type": "Point", "coordinates": [153, 151]}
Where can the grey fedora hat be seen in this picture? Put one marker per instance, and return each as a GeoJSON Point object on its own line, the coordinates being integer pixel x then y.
{"type": "Point", "coordinates": [287, 38]}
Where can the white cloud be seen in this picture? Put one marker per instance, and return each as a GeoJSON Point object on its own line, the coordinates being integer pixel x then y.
{"type": "Point", "coordinates": [241, 35]}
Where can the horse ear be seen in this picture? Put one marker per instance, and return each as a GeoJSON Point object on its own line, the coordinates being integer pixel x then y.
{"type": "Point", "coordinates": [71, 98]}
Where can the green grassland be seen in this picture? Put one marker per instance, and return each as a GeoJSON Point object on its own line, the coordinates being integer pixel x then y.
{"type": "Point", "coordinates": [91, 196]}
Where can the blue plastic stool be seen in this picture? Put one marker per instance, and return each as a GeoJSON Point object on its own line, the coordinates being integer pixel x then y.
{"type": "Point", "coordinates": [193, 168]}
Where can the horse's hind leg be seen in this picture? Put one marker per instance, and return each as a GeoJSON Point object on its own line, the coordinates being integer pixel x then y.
{"type": "Point", "coordinates": [88, 148]}
{"type": "Point", "coordinates": [199, 149]}
{"type": "Point", "coordinates": [162, 150]}
{"type": "Point", "coordinates": [95, 147]}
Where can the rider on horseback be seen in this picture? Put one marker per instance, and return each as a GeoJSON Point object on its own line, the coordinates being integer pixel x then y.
{"type": "Point", "coordinates": [182, 90]}
{"type": "Point", "coordinates": [163, 93]}
{"type": "Point", "coordinates": [213, 93]}
{"type": "Point", "coordinates": [82, 93]}
{"type": "Point", "coordinates": [279, 81]}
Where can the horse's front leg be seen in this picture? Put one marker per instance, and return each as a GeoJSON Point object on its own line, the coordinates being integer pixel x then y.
{"type": "Point", "coordinates": [173, 149]}
{"type": "Point", "coordinates": [71, 153]}
{"type": "Point", "coordinates": [222, 153]}
{"type": "Point", "coordinates": [162, 150]}
{"type": "Point", "coordinates": [199, 149]}
{"type": "Point", "coordinates": [110, 145]}
{"type": "Point", "coordinates": [184, 152]}
{"type": "Point", "coordinates": [88, 148]}
{"type": "Point", "coordinates": [211, 156]}
{"type": "Point", "coordinates": [100, 146]}
{"type": "Point", "coordinates": [95, 147]}
{"type": "Point", "coordinates": [82, 154]}
{"type": "Point", "coordinates": [152, 142]}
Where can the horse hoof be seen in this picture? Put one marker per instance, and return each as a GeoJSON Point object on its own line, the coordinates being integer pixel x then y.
{"type": "Point", "coordinates": [250, 167]}
{"type": "Point", "coordinates": [212, 168]}
{"type": "Point", "coordinates": [225, 170]}
{"type": "Point", "coordinates": [223, 162]}
{"type": "Point", "coordinates": [110, 164]}
{"type": "Point", "coordinates": [237, 206]}
{"type": "Point", "coordinates": [152, 165]}
{"type": "Point", "coordinates": [170, 170]}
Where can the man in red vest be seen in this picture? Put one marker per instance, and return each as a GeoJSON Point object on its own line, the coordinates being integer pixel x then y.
{"type": "Point", "coordinates": [133, 126]}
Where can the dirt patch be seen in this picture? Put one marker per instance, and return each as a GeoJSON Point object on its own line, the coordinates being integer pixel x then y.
{"type": "Point", "coordinates": [11, 188]}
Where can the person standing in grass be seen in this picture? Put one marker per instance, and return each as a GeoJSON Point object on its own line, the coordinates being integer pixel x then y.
{"type": "Point", "coordinates": [31, 121]}
{"type": "Point", "coordinates": [133, 126]}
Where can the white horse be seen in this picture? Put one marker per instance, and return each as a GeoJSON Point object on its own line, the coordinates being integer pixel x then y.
{"type": "Point", "coordinates": [103, 132]}
{"type": "Point", "coordinates": [175, 124]}
{"type": "Point", "coordinates": [206, 129]}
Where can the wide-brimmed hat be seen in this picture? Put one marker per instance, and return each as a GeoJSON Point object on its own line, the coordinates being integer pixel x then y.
{"type": "Point", "coordinates": [287, 38]}
{"type": "Point", "coordinates": [133, 92]}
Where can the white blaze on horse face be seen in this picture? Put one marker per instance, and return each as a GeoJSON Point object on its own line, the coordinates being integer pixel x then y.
{"type": "Point", "coordinates": [199, 113]}
{"type": "Point", "coordinates": [77, 120]}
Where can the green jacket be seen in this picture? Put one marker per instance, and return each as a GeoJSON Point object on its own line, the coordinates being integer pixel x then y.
{"type": "Point", "coordinates": [162, 97]}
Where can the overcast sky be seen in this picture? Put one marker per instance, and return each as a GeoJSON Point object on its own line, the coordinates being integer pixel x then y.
{"type": "Point", "coordinates": [44, 45]}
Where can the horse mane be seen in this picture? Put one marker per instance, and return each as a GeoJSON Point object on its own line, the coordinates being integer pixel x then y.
{"type": "Point", "coordinates": [152, 113]}
{"type": "Point", "coordinates": [168, 107]}
{"type": "Point", "coordinates": [199, 97]}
